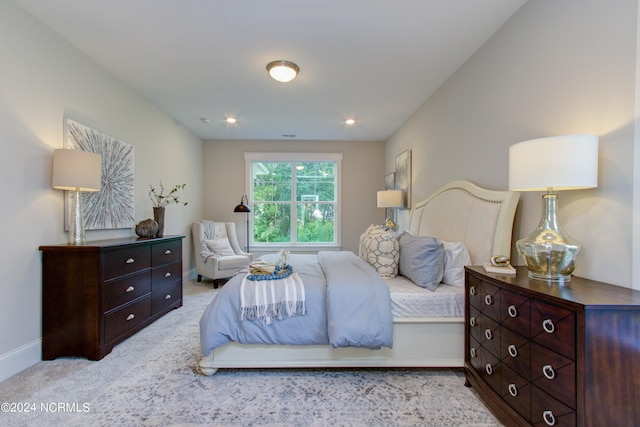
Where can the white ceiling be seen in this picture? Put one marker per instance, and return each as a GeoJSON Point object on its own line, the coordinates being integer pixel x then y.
{"type": "Point", "coordinates": [373, 60]}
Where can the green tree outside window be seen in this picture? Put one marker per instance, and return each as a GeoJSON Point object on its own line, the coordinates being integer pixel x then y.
{"type": "Point", "coordinates": [294, 201]}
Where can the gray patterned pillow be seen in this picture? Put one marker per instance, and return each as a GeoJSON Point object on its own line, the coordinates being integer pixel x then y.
{"type": "Point", "coordinates": [380, 248]}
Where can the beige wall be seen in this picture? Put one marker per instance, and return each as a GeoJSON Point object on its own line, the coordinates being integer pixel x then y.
{"type": "Point", "coordinates": [556, 67]}
{"type": "Point", "coordinates": [362, 175]}
{"type": "Point", "coordinates": [44, 80]}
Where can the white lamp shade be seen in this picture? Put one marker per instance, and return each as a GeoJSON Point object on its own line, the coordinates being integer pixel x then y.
{"type": "Point", "coordinates": [390, 199]}
{"type": "Point", "coordinates": [77, 170]}
{"type": "Point", "coordinates": [568, 162]}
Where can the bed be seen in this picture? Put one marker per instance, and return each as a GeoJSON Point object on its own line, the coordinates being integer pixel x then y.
{"type": "Point", "coordinates": [459, 211]}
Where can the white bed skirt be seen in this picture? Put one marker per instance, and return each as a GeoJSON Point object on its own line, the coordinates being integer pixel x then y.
{"type": "Point", "coordinates": [417, 342]}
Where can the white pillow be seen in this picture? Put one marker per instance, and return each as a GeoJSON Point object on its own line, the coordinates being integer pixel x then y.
{"type": "Point", "coordinates": [456, 256]}
{"type": "Point", "coordinates": [380, 248]}
{"type": "Point", "coordinates": [220, 247]}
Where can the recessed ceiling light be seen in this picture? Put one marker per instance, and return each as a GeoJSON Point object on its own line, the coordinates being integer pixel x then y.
{"type": "Point", "coordinates": [350, 121]}
{"type": "Point", "coordinates": [230, 120]}
{"type": "Point", "coordinates": [283, 71]}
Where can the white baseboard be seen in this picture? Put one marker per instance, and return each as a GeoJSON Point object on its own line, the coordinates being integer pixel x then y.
{"type": "Point", "coordinates": [19, 359]}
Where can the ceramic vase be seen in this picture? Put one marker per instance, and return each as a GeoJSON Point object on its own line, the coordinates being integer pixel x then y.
{"type": "Point", "coordinates": [158, 216]}
{"type": "Point", "coordinates": [147, 228]}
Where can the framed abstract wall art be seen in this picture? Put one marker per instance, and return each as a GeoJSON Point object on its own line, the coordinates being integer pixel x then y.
{"type": "Point", "coordinates": [114, 205]}
{"type": "Point", "coordinates": [403, 176]}
{"type": "Point", "coordinates": [390, 181]}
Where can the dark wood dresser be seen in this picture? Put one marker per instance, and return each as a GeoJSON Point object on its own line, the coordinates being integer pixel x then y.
{"type": "Point", "coordinates": [540, 353]}
{"type": "Point", "coordinates": [95, 296]}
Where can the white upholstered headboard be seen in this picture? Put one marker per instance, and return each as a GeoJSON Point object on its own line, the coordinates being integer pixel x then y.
{"type": "Point", "coordinates": [460, 211]}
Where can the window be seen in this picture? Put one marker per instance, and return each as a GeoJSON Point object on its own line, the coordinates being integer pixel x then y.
{"type": "Point", "coordinates": [294, 198]}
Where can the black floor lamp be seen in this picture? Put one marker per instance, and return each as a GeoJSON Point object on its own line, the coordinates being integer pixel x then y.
{"type": "Point", "coordinates": [244, 207]}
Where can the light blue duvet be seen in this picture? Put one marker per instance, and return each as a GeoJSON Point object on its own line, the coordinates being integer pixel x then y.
{"type": "Point", "coordinates": [347, 304]}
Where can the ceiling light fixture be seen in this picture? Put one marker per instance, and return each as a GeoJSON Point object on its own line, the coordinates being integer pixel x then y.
{"type": "Point", "coordinates": [350, 121]}
{"type": "Point", "coordinates": [283, 71]}
{"type": "Point", "coordinates": [230, 120]}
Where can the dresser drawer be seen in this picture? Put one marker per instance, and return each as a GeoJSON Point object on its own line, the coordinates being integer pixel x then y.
{"type": "Point", "coordinates": [121, 291]}
{"type": "Point", "coordinates": [166, 252]}
{"type": "Point", "coordinates": [516, 391]}
{"type": "Point", "coordinates": [546, 411]}
{"type": "Point", "coordinates": [165, 275]}
{"type": "Point", "coordinates": [486, 298]}
{"type": "Point", "coordinates": [485, 364]}
{"type": "Point", "coordinates": [485, 330]}
{"type": "Point", "coordinates": [515, 312]}
{"type": "Point", "coordinates": [554, 374]}
{"type": "Point", "coordinates": [126, 319]}
{"type": "Point", "coordinates": [126, 260]}
{"type": "Point", "coordinates": [554, 327]}
{"type": "Point", "coordinates": [166, 297]}
{"type": "Point", "coordinates": [515, 352]}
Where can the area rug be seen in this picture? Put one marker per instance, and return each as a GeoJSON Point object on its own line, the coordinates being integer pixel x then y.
{"type": "Point", "coordinates": [151, 379]}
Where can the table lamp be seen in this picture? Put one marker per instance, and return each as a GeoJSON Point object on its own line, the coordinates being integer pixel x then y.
{"type": "Point", "coordinates": [76, 171]}
{"type": "Point", "coordinates": [568, 162]}
{"type": "Point", "coordinates": [390, 199]}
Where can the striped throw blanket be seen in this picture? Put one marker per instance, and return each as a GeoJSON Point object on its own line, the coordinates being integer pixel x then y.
{"type": "Point", "coordinates": [270, 300]}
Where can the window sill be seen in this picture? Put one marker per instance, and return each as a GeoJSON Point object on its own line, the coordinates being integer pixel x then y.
{"type": "Point", "coordinates": [294, 249]}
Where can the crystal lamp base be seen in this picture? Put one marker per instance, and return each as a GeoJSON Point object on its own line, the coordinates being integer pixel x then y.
{"type": "Point", "coordinates": [548, 262]}
{"type": "Point", "coordinates": [548, 252]}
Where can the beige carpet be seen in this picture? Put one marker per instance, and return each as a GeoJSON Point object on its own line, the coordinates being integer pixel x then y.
{"type": "Point", "coordinates": [151, 380]}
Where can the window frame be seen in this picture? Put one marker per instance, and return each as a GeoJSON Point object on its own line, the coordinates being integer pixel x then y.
{"type": "Point", "coordinates": [251, 157]}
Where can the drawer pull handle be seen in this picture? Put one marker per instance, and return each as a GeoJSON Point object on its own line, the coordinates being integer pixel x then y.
{"type": "Point", "coordinates": [167, 297]}
{"type": "Point", "coordinates": [473, 352]}
{"type": "Point", "coordinates": [513, 390]}
{"type": "Point", "coordinates": [548, 326]}
{"type": "Point", "coordinates": [548, 372]}
{"type": "Point", "coordinates": [488, 334]}
{"type": "Point", "coordinates": [130, 261]}
{"type": "Point", "coordinates": [488, 300]}
{"type": "Point", "coordinates": [548, 418]}
{"type": "Point", "coordinates": [472, 290]}
{"type": "Point", "coordinates": [513, 312]}
{"type": "Point", "coordinates": [131, 317]}
{"type": "Point", "coordinates": [167, 274]}
{"type": "Point", "coordinates": [472, 321]}
{"type": "Point", "coordinates": [130, 289]}
{"type": "Point", "coordinates": [513, 351]}
{"type": "Point", "coordinates": [167, 252]}
{"type": "Point", "coordinates": [489, 369]}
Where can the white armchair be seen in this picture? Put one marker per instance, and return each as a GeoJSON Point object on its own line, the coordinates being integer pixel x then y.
{"type": "Point", "coordinates": [217, 252]}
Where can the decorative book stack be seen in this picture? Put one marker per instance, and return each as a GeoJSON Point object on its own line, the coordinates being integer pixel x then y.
{"type": "Point", "coordinates": [502, 269]}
